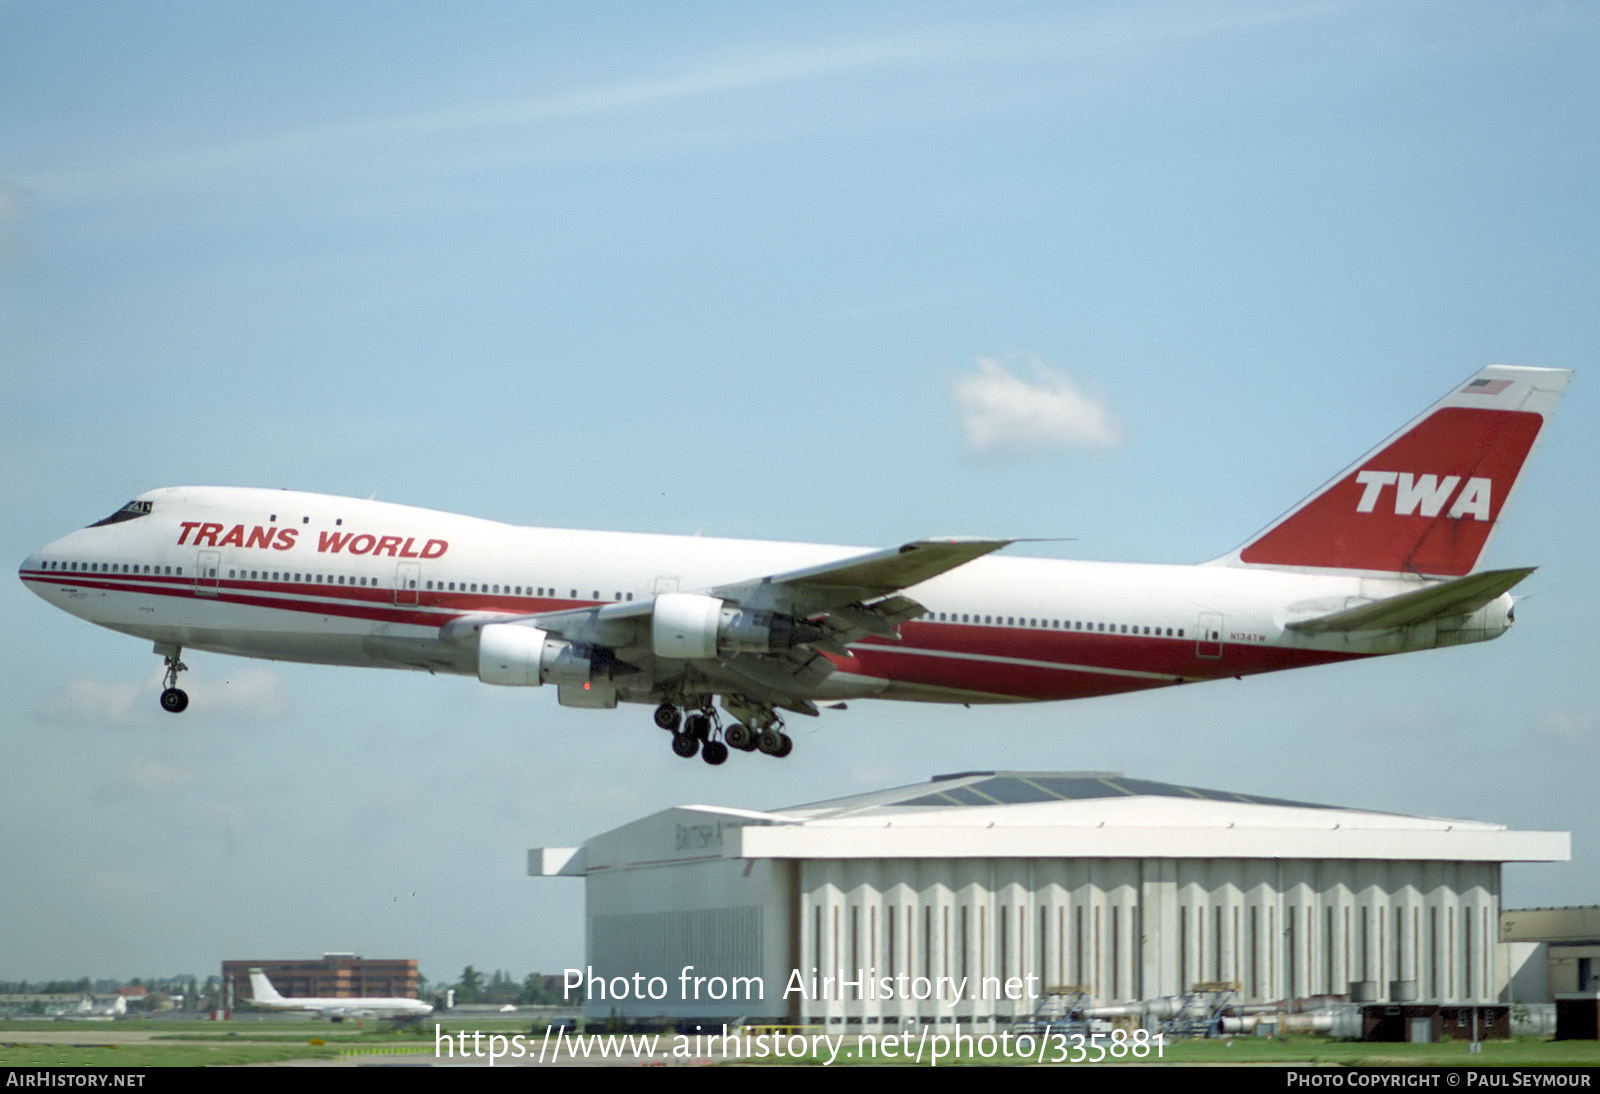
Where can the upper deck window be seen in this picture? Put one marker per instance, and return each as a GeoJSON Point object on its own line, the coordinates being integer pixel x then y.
{"type": "Point", "coordinates": [128, 512]}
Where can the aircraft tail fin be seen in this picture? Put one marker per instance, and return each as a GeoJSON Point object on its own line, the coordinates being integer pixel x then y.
{"type": "Point", "coordinates": [261, 989]}
{"type": "Point", "coordinates": [1426, 500]}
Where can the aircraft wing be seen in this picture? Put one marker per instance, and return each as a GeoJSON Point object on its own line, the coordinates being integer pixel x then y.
{"type": "Point", "coordinates": [817, 608]}
{"type": "Point", "coordinates": [847, 586]}
{"type": "Point", "coordinates": [857, 590]}
{"type": "Point", "coordinates": [1459, 596]}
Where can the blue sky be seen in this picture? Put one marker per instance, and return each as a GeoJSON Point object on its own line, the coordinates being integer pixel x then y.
{"type": "Point", "coordinates": [734, 269]}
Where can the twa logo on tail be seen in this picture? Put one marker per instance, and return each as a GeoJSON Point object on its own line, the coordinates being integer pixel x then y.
{"type": "Point", "coordinates": [1376, 518]}
{"type": "Point", "coordinates": [1425, 494]}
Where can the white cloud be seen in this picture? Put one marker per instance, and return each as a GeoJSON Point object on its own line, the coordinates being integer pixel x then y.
{"type": "Point", "coordinates": [1024, 404]}
{"type": "Point", "coordinates": [252, 693]}
{"type": "Point", "coordinates": [1569, 729]}
{"type": "Point", "coordinates": [149, 777]}
{"type": "Point", "coordinates": [97, 702]}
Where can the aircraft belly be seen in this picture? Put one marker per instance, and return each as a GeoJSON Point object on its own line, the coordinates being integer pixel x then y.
{"type": "Point", "coordinates": [353, 650]}
{"type": "Point", "coordinates": [217, 626]}
{"type": "Point", "coordinates": [1038, 665]}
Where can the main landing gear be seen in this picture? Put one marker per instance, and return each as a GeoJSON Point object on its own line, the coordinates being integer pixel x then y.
{"type": "Point", "coordinates": [174, 700]}
{"type": "Point", "coordinates": [698, 733]}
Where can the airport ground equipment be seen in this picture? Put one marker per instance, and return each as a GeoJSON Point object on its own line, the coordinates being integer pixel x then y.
{"type": "Point", "coordinates": [1200, 1015]}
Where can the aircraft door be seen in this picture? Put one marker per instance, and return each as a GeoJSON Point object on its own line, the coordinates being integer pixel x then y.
{"type": "Point", "coordinates": [208, 566]}
{"type": "Point", "coordinates": [407, 578]}
{"type": "Point", "coordinates": [1208, 636]}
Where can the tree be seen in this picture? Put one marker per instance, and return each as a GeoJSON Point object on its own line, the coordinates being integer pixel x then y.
{"type": "Point", "coordinates": [470, 988]}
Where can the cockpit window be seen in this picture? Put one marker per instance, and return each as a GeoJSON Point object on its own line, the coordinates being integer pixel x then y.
{"type": "Point", "coordinates": [127, 512]}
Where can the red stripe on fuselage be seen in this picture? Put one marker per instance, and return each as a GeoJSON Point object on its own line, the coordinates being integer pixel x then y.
{"type": "Point", "coordinates": [1065, 664]}
{"type": "Point", "coordinates": [966, 657]}
{"type": "Point", "coordinates": [349, 602]}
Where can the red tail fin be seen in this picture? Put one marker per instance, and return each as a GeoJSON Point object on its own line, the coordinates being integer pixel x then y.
{"type": "Point", "coordinates": [1426, 500]}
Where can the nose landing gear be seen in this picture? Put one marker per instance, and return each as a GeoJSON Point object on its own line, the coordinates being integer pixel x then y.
{"type": "Point", "coordinates": [174, 700]}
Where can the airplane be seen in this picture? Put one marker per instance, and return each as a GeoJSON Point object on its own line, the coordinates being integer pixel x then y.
{"type": "Point", "coordinates": [399, 1008]}
{"type": "Point", "coordinates": [1380, 560]}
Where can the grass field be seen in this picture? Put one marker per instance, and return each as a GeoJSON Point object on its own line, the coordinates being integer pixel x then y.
{"type": "Point", "coordinates": [141, 1044]}
{"type": "Point", "coordinates": [1318, 1051]}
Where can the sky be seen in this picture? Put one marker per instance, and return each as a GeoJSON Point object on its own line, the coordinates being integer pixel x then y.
{"type": "Point", "coordinates": [1131, 278]}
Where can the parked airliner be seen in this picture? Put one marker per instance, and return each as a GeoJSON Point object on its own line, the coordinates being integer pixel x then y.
{"type": "Point", "coordinates": [399, 1008]}
{"type": "Point", "coordinates": [1380, 560]}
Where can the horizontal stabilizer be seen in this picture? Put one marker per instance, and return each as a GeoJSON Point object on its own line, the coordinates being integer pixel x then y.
{"type": "Point", "coordinates": [1460, 596]}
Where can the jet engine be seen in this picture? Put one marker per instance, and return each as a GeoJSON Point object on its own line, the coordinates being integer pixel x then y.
{"type": "Point", "coordinates": [692, 626]}
{"type": "Point", "coordinates": [526, 657]}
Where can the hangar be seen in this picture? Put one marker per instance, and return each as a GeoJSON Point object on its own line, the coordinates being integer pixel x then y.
{"type": "Point", "coordinates": [973, 897]}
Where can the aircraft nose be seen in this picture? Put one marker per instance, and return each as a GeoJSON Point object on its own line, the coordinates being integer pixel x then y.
{"type": "Point", "coordinates": [29, 569]}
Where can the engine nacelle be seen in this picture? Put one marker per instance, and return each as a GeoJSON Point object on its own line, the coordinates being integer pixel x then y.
{"type": "Point", "coordinates": [519, 656]}
{"type": "Point", "coordinates": [692, 626]}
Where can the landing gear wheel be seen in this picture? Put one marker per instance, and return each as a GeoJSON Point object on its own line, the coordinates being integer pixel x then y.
{"type": "Point", "coordinates": [786, 747]}
{"type": "Point", "coordinates": [714, 753]}
{"type": "Point", "coordinates": [667, 717]}
{"type": "Point", "coordinates": [740, 736]}
{"type": "Point", "coordinates": [697, 726]}
{"type": "Point", "coordinates": [685, 744]}
{"type": "Point", "coordinates": [173, 700]}
{"type": "Point", "coordinates": [770, 741]}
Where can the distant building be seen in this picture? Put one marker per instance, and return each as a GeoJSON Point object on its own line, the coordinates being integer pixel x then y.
{"type": "Point", "coordinates": [333, 976]}
{"type": "Point", "coordinates": [1551, 951]}
{"type": "Point", "coordinates": [1018, 884]}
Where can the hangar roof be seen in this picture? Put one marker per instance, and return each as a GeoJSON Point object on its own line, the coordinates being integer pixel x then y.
{"type": "Point", "coordinates": [1017, 814]}
{"type": "Point", "coordinates": [982, 788]}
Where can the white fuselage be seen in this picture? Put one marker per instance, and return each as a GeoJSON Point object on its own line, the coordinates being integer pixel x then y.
{"type": "Point", "coordinates": [308, 577]}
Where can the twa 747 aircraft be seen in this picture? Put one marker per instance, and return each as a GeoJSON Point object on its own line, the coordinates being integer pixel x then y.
{"type": "Point", "coordinates": [1380, 560]}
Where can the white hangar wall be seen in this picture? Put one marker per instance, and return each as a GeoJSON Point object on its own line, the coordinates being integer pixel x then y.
{"type": "Point", "coordinates": [868, 910]}
{"type": "Point", "coordinates": [724, 922]}
{"type": "Point", "coordinates": [1128, 930]}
